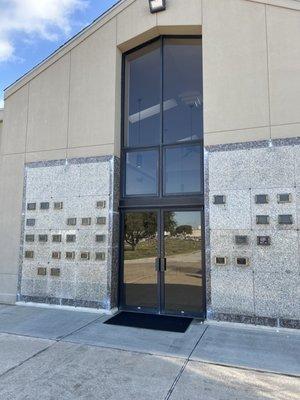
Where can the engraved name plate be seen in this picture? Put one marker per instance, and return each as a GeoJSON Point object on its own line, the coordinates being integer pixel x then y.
{"type": "Point", "coordinates": [219, 199]}
{"type": "Point", "coordinates": [29, 254]}
{"type": "Point", "coordinates": [30, 222]}
{"type": "Point", "coordinates": [43, 238]}
{"type": "Point", "coordinates": [284, 198]}
{"type": "Point", "coordinates": [42, 271]}
{"type": "Point", "coordinates": [29, 238]}
{"type": "Point", "coordinates": [56, 238]}
{"type": "Point", "coordinates": [100, 256]}
{"type": "Point", "coordinates": [263, 240]}
{"type": "Point", "coordinates": [240, 240]}
{"type": "Point", "coordinates": [70, 255]}
{"type": "Point", "coordinates": [71, 221]}
{"type": "Point", "coordinates": [58, 205]}
{"type": "Point", "coordinates": [86, 221]}
{"type": "Point", "coordinates": [285, 219]}
{"type": "Point", "coordinates": [71, 238]}
{"type": "Point", "coordinates": [56, 255]}
{"type": "Point", "coordinates": [100, 238]}
{"type": "Point", "coordinates": [55, 272]}
{"type": "Point", "coordinates": [261, 199]}
{"type": "Point", "coordinates": [31, 206]}
{"type": "Point", "coordinates": [101, 204]}
{"type": "Point", "coordinates": [220, 260]}
{"type": "Point", "coordinates": [242, 261]}
{"type": "Point", "coordinates": [262, 220]}
{"type": "Point", "coordinates": [101, 220]}
{"type": "Point", "coordinates": [84, 255]}
{"type": "Point", "coordinates": [44, 205]}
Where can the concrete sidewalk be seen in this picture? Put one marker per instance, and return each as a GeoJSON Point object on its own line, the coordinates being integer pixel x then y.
{"type": "Point", "coordinates": [58, 354]}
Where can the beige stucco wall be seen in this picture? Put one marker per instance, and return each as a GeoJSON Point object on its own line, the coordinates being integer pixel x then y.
{"type": "Point", "coordinates": [70, 106]}
{"type": "Point", "coordinates": [251, 61]}
{"type": "Point", "coordinates": [1, 124]}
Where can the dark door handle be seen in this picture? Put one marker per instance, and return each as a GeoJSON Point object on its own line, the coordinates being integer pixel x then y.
{"type": "Point", "coordinates": [157, 264]}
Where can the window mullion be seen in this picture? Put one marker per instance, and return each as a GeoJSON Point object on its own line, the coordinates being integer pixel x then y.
{"type": "Point", "coordinates": [161, 164]}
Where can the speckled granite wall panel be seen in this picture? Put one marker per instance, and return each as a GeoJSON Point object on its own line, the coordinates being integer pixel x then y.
{"type": "Point", "coordinates": [267, 290]}
{"type": "Point", "coordinates": [83, 279]}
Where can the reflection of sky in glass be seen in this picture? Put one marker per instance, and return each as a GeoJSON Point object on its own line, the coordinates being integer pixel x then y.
{"type": "Point", "coordinates": [192, 218]}
{"type": "Point", "coordinates": [141, 171]}
{"type": "Point", "coordinates": [143, 96]}
{"type": "Point", "coordinates": [183, 83]}
{"type": "Point", "coordinates": [182, 169]}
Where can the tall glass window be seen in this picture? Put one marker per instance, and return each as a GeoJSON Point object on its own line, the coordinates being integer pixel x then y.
{"type": "Point", "coordinates": [163, 121]}
{"type": "Point", "coordinates": [182, 90]}
{"type": "Point", "coordinates": [142, 102]}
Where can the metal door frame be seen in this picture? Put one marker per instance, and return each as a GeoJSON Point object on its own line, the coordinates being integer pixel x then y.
{"type": "Point", "coordinates": [160, 254]}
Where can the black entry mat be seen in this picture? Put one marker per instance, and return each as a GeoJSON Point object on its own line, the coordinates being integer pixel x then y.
{"type": "Point", "coordinates": [150, 321]}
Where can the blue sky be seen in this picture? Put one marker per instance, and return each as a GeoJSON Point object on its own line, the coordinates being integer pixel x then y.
{"type": "Point", "coordinates": [30, 30]}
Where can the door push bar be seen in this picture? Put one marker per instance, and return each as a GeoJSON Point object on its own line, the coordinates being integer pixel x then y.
{"type": "Point", "coordinates": [160, 264]}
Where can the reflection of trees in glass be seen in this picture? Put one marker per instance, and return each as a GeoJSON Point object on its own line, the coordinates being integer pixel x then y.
{"type": "Point", "coordinates": [184, 229]}
{"type": "Point", "coordinates": [139, 226]}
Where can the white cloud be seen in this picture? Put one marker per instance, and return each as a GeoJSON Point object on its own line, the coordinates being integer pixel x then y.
{"type": "Point", "coordinates": [42, 18]}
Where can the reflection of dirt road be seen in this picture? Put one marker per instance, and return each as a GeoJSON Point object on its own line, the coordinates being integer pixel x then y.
{"type": "Point", "coordinates": [189, 257]}
{"type": "Point", "coordinates": [182, 269]}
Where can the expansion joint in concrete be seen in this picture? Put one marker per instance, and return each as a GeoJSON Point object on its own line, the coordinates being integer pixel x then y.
{"type": "Point", "coordinates": [178, 376]}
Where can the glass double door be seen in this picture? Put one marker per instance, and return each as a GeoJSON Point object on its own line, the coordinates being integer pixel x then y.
{"type": "Point", "coordinates": [162, 262]}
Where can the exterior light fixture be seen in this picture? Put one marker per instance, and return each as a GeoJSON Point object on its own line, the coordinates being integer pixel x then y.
{"type": "Point", "coordinates": [157, 5]}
